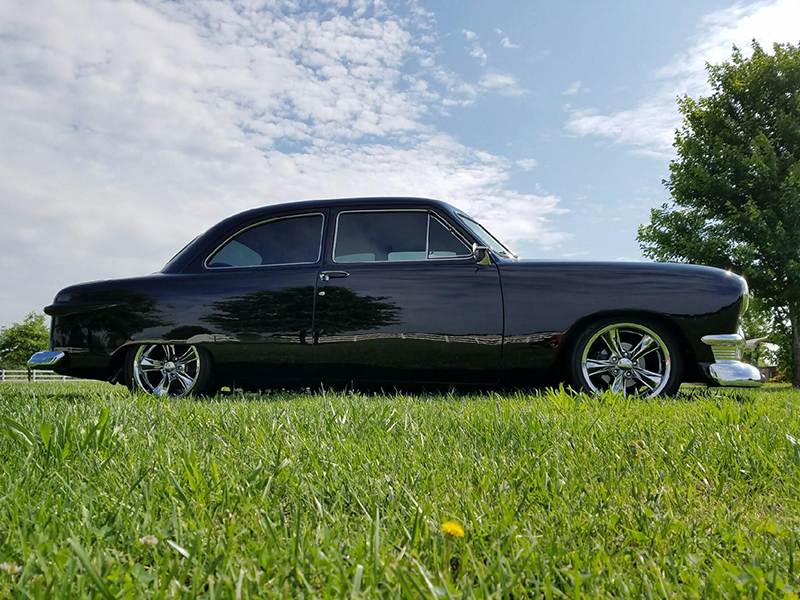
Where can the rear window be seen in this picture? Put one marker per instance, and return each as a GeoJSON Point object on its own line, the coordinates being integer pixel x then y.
{"type": "Point", "coordinates": [288, 240]}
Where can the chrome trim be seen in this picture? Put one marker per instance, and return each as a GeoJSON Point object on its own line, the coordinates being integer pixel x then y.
{"type": "Point", "coordinates": [327, 275]}
{"type": "Point", "coordinates": [729, 370]}
{"type": "Point", "coordinates": [249, 227]}
{"type": "Point", "coordinates": [750, 345]}
{"type": "Point", "coordinates": [726, 347]}
{"type": "Point", "coordinates": [734, 373]}
{"type": "Point", "coordinates": [455, 234]}
{"type": "Point", "coordinates": [45, 359]}
{"type": "Point", "coordinates": [486, 260]}
{"type": "Point", "coordinates": [464, 216]}
{"type": "Point", "coordinates": [427, 238]}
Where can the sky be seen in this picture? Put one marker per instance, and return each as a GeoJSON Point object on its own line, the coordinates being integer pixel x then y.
{"type": "Point", "coordinates": [127, 128]}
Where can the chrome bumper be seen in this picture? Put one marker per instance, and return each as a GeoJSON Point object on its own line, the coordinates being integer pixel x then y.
{"type": "Point", "coordinates": [728, 370]}
{"type": "Point", "coordinates": [45, 360]}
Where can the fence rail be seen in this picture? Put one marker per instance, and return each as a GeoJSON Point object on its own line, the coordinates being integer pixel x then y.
{"type": "Point", "coordinates": [25, 375]}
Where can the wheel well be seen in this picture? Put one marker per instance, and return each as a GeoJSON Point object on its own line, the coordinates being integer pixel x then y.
{"type": "Point", "coordinates": [116, 368]}
{"type": "Point", "coordinates": [570, 337]}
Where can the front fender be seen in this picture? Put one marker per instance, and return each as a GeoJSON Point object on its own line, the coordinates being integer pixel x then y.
{"type": "Point", "coordinates": [547, 302]}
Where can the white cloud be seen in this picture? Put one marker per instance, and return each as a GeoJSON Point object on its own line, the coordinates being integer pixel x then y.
{"type": "Point", "coordinates": [476, 51]}
{"type": "Point", "coordinates": [479, 53]}
{"type": "Point", "coordinates": [527, 164]}
{"type": "Point", "coordinates": [507, 43]}
{"type": "Point", "coordinates": [502, 83]}
{"type": "Point", "coordinates": [650, 125]}
{"type": "Point", "coordinates": [129, 128]}
{"type": "Point", "coordinates": [572, 88]}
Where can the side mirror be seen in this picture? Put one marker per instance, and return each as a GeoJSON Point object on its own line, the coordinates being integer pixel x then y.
{"type": "Point", "coordinates": [481, 254]}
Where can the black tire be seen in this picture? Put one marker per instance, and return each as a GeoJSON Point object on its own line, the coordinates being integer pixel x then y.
{"type": "Point", "coordinates": [199, 368]}
{"type": "Point", "coordinates": [593, 367]}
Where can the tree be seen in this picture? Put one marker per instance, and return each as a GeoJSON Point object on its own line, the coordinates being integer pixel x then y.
{"type": "Point", "coordinates": [21, 340]}
{"type": "Point", "coordinates": [735, 184]}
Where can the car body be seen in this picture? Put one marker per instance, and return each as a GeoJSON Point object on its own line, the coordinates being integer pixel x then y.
{"type": "Point", "coordinates": [340, 291]}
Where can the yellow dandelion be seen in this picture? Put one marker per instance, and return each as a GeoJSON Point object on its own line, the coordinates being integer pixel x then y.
{"type": "Point", "coordinates": [452, 529]}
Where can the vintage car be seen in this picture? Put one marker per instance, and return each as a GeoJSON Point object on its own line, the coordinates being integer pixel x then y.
{"type": "Point", "coordinates": [394, 291]}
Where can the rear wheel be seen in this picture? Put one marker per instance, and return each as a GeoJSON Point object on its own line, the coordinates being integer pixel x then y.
{"type": "Point", "coordinates": [169, 370]}
{"type": "Point", "coordinates": [628, 356]}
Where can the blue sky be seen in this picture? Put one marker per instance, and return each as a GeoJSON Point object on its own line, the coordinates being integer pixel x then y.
{"type": "Point", "coordinates": [129, 127]}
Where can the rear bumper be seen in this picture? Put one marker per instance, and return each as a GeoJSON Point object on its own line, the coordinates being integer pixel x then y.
{"type": "Point", "coordinates": [727, 369]}
{"type": "Point", "coordinates": [46, 360]}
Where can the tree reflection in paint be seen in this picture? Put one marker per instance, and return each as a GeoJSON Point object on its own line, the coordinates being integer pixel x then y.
{"type": "Point", "coordinates": [110, 326]}
{"type": "Point", "coordinates": [290, 312]}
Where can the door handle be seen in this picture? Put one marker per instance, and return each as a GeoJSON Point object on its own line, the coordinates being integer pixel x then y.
{"type": "Point", "coordinates": [326, 275]}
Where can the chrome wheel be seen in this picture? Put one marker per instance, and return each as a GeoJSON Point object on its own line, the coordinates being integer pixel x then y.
{"type": "Point", "coordinates": [627, 358]}
{"type": "Point", "coordinates": [166, 370]}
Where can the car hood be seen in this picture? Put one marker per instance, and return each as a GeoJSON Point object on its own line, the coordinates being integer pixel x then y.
{"type": "Point", "coordinates": [672, 278]}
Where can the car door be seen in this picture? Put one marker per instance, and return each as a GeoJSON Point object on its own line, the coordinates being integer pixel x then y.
{"type": "Point", "coordinates": [401, 298]}
{"type": "Point", "coordinates": [261, 312]}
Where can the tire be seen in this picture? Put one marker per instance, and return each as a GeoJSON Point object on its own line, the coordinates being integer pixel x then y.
{"type": "Point", "coordinates": [169, 370]}
{"type": "Point", "coordinates": [628, 355]}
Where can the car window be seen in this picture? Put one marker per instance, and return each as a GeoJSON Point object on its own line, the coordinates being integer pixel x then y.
{"type": "Point", "coordinates": [442, 242]}
{"type": "Point", "coordinates": [381, 236]}
{"type": "Point", "coordinates": [386, 236]}
{"type": "Point", "coordinates": [290, 240]}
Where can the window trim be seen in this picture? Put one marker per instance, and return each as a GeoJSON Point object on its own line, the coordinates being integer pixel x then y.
{"type": "Point", "coordinates": [430, 214]}
{"type": "Point", "coordinates": [464, 217]}
{"type": "Point", "coordinates": [455, 234]}
{"type": "Point", "coordinates": [211, 255]}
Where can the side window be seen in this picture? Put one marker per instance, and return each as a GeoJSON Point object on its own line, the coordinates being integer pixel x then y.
{"type": "Point", "coordinates": [442, 242]}
{"type": "Point", "coordinates": [284, 241]}
{"type": "Point", "coordinates": [381, 236]}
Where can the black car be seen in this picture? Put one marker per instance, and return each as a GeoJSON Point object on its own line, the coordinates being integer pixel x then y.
{"type": "Point", "coordinates": [394, 291]}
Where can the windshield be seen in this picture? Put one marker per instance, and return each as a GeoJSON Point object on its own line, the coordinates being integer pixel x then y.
{"type": "Point", "coordinates": [487, 238]}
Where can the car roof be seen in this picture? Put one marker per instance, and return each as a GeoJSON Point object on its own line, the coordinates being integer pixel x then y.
{"type": "Point", "coordinates": [366, 200]}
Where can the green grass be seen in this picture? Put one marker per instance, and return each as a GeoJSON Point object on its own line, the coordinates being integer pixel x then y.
{"type": "Point", "coordinates": [343, 496]}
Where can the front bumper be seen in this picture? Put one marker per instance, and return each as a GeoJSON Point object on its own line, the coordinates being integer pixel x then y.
{"type": "Point", "coordinates": [46, 360]}
{"type": "Point", "coordinates": [728, 370]}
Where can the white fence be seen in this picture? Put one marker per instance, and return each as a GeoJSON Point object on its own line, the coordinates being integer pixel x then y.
{"type": "Point", "coordinates": [31, 375]}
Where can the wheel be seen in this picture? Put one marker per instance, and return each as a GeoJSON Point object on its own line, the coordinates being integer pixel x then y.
{"type": "Point", "coordinates": [629, 356]}
{"type": "Point", "coordinates": [169, 370]}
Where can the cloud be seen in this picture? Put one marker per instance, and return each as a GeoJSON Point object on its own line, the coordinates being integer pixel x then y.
{"type": "Point", "coordinates": [129, 128]}
{"type": "Point", "coordinates": [527, 164]}
{"type": "Point", "coordinates": [650, 125]}
{"type": "Point", "coordinates": [479, 53]}
{"type": "Point", "coordinates": [572, 88]}
{"type": "Point", "coordinates": [475, 49]}
{"type": "Point", "coordinates": [507, 43]}
{"type": "Point", "coordinates": [502, 83]}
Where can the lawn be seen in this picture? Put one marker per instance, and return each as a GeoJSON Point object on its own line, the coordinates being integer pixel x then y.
{"type": "Point", "coordinates": [104, 494]}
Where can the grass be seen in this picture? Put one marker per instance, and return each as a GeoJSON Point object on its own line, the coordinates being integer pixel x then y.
{"type": "Point", "coordinates": [104, 494]}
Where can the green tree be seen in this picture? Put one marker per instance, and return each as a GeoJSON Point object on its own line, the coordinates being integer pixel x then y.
{"type": "Point", "coordinates": [19, 341]}
{"type": "Point", "coordinates": [735, 184]}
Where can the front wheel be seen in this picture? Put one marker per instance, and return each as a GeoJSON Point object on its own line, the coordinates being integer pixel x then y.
{"type": "Point", "coordinates": [169, 370]}
{"type": "Point", "coordinates": [630, 356]}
